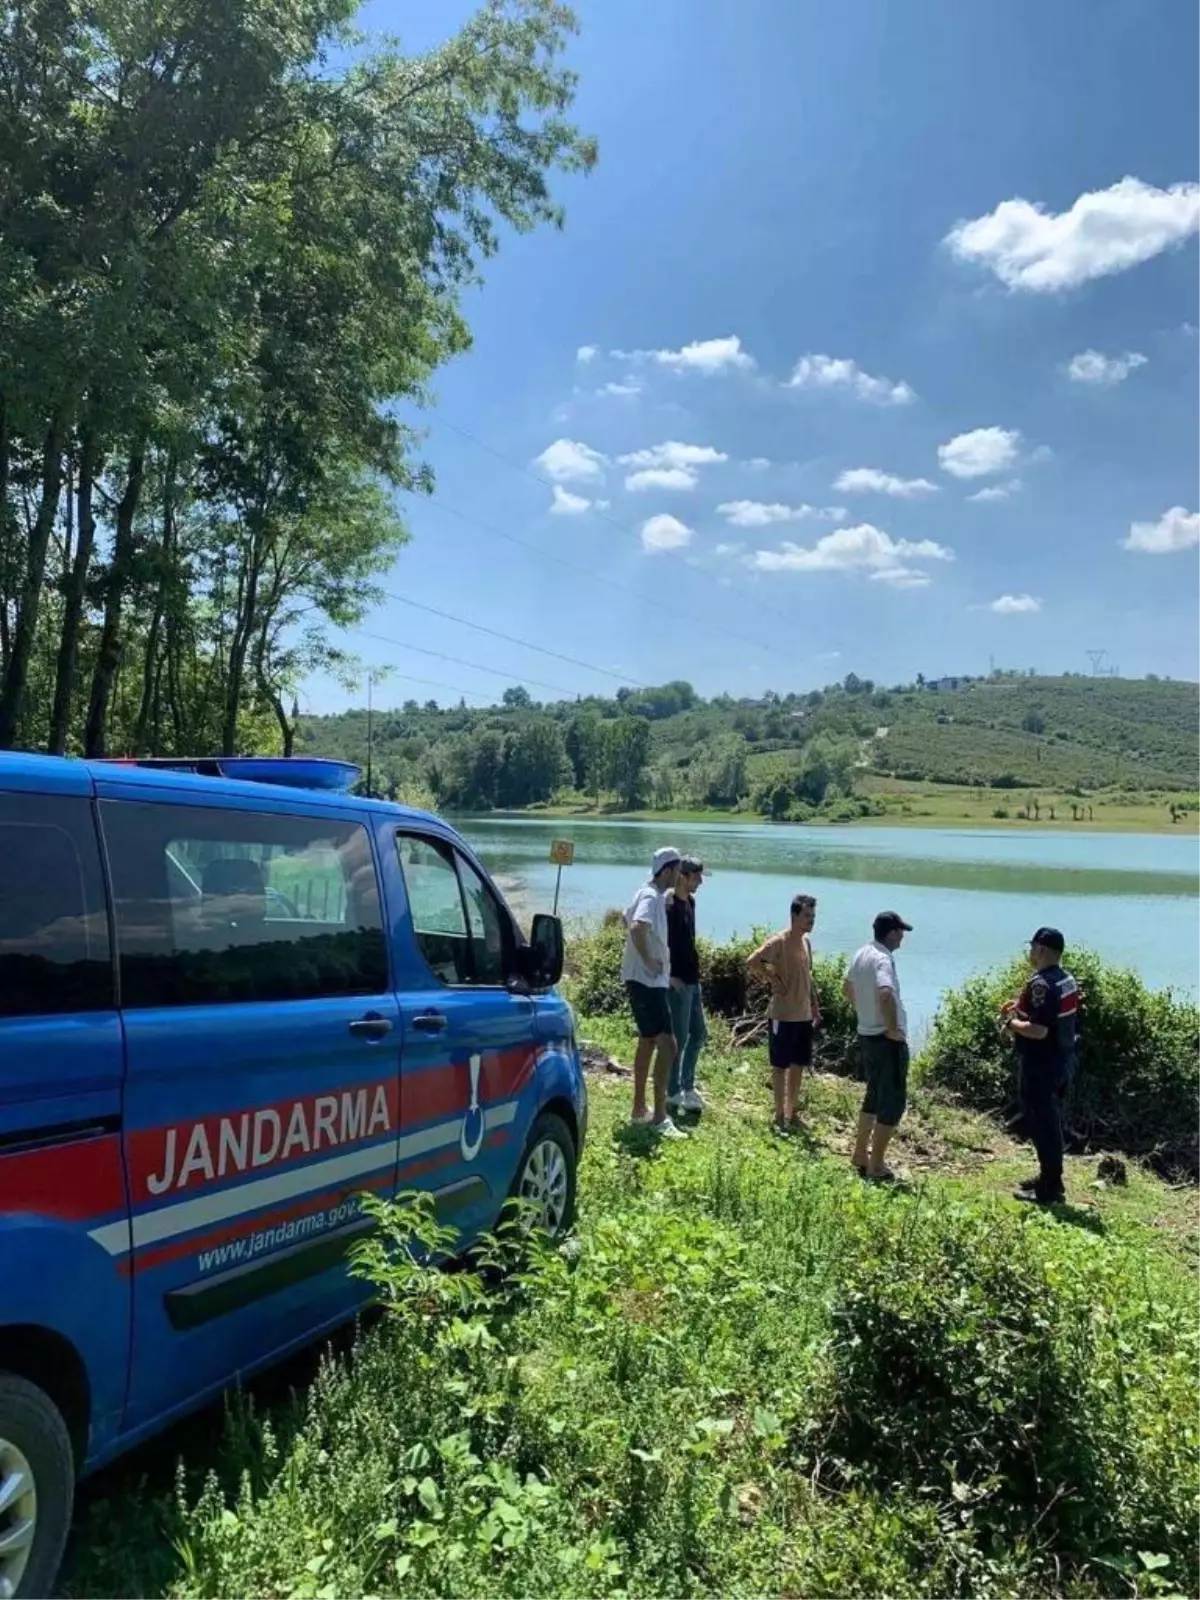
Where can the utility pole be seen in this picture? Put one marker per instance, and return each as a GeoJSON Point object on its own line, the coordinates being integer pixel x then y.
{"type": "Point", "coordinates": [1095, 657]}
{"type": "Point", "coordinates": [370, 731]}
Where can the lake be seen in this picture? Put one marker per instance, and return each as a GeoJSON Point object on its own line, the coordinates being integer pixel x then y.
{"type": "Point", "coordinates": [974, 896]}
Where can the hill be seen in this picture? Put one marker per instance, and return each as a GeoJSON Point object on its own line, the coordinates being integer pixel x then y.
{"type": "Point", "coordinates": [783, 755]}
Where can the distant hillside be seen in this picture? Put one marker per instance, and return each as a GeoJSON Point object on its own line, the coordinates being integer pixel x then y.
{"type": "Point", "coordinates": [783, 753]}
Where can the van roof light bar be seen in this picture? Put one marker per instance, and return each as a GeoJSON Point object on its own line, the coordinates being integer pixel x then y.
{"type": "Point", "coordinates": [289, 772]}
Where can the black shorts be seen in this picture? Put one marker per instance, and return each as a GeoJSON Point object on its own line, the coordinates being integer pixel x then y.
{"type": "Point", "coordinates": [790, 1044]}
{"type": "Point", "coordinates": [651, 1010]}
{"type": "Point", "coordinates": [885, 1067]}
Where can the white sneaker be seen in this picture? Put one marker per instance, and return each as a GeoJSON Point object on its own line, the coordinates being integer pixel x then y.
{"type": "Point", "coordinates": [692, 1101]}
{"type": "Point", "coordinates": [640, 1118]}
{"type": "Point", "coordinates": [677, 1102]}
{"type": "Point", "coordinates": [666, 1129]}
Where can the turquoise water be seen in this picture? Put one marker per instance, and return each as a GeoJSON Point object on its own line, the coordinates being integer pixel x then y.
{"type": "Point", "coordinates": [973, 895]}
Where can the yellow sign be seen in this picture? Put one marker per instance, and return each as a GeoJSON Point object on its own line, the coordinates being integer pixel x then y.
{"type": "Point", "coordinates": [562, 852]}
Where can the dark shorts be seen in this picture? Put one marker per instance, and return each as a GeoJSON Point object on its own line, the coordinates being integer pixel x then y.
{"type": "Point", "coordinates": [790, 1044]}
{"type": "Point", "coordinates": [885, 1067]}
{"type": "Point", "coordinates": [651, 1010]}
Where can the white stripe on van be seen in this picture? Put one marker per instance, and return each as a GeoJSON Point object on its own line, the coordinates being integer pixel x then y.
{"type": "Point", "coordinates": [167, 1222]}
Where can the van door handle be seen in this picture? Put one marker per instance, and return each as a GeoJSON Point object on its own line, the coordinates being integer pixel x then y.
{"type": "Point", "coordinates": [372, 1026]}
{"type": "Point", "coordinates": [429, 1022]}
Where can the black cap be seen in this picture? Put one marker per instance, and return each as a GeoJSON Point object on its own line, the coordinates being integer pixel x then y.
{"type": "Point", "coordinates": [889, 922]}
{"type": "Point", "coordinates": [692, 866]}
{"type": "Point", "coordinates": [1050, 938]}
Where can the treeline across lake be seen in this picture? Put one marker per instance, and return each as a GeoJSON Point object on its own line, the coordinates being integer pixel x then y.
{"type": "Point", "coordinates": [233, 236]}
{"type": "Point", "coordinates": [783, 755]}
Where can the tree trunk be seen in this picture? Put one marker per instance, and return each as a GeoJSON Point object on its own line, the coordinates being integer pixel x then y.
{"type": "Point", "coordinates": [76, 587]}
{"type": "Point", "coordinates": [152, 676]}
{"type": "Point", "coordinates": [239, 647]}
{"type": "Point", "coordinates": [16, 676]}
{"type": "Point", "coordinates": [5, 534]}
{"type": "Point", "coordinates": [108, 658]}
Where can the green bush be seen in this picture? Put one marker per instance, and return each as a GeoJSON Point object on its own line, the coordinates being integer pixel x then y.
{"type": "Point", "coordinates": [728, 989]}
{"type": "Point", "coordinates": [1024, 1376]}
{"type": "Point", "coordinates": [1135, 1085]}
{"type": "Point", "coordinates": [593, 967]}
{"type": "Point", "coordinates": [746, 1376]}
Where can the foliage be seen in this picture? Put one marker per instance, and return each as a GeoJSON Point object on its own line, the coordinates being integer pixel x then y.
{"type": "Point", "coordinates": [802, 757]}
{"type": "Point", "coordinates": [749, 1373]}
{"type": "Point", "coordinates": [727, 988]}
{"type": "Point", "coordinates": [223, 261]}
{"type": "Point", "coordinates": [1135, 1086]}
{"type": "Point", "coordinates": [1020, 1375]}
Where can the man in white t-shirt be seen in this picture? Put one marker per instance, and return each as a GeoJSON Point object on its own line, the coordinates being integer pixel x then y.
{"type": "Point", "coordinates": [872, 987]}
{"type": "Point", "coordinates": [646, 974]}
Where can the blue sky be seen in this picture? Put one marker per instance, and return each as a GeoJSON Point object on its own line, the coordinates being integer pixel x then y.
{"type": "Point", "coordinates": [787, 177]}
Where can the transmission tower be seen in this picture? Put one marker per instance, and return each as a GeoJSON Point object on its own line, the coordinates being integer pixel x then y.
{"type": "Point", "coordinates": [1095, 657]}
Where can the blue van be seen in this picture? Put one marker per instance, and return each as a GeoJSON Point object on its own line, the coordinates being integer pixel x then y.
{"type": "Point", "coordinates": [233, 998]}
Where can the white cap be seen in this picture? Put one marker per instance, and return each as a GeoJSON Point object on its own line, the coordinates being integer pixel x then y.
{"type": "Point", "coordinates": [668, 856]}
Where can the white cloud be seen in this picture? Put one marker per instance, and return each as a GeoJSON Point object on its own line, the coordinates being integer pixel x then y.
{"type": "Point", "coordinates": [660, 478]}
{"type": "Point", "coordinates": [727, 550]}
{"type": "Point", "coordinates": [1105, 231]}
{"type": "Point", "coordinates": [1176, 529]}
{"type": "Point", "coordinates": [670, 465]}
{"type": "Point", "coordinates": [705, 356]}
{"type": "Point", "coordinates": [1014, 605]}
{"type": "Point", "coordinates": [568, 461]}
{"type": "Point", "coordinates": [861, 548]}
{"type": "Point", "coordinates": [665, 533]}
{"type": "Point", "coordinates": [869, 480]}
{"type": "Point", "coordinates": [673, 454]}
{"type": "Point", "coordinates": [761, 514]}
{"type": "Point", "coordinates": [834, 372]}
{"type": "Point", "coordinates": [1090, 366]}
{"type": "Point", "coordinates": [587, 352]}
{"type": "Point", "coordinates": [902, 577]}
{"type": "Point", "coordinates": [759, 463]}
{"type": "Point", "coordinates": [624, 389]}
{"type": "Point", "coordinates": [566, 504]}
{"type": "Point", "coordinates": [979, 453]}
{"type": "Point", "coordinates": [996, 491]}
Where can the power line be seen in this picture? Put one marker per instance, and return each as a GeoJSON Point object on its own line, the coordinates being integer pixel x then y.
{"type": "Point", "coordinates": [460, 661]}
{"type": "Point", "coordinates": [594, 510]}
{"type": "Point", "coordinates": [432, 683]}
{"type": "Point", "coordinates": [586, 572]}
{"type": "Point", "coordinates": [508, 638]}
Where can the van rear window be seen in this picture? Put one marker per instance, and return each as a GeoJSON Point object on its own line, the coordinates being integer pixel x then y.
{"type": "Point", "coordinates": [216, 907]}
{"type": "Point", "coordinates": [54, 947]}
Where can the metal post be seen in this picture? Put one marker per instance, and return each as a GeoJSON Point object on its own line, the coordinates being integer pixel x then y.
{"type": "Point", "coordinates": [557, 885]}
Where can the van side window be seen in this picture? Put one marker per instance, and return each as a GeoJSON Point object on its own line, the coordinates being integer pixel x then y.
{"type": "Point", "coordinates": [486, 925]}
{"type": "Point", "coordinates": [54, 947]}
{"type": "Point", "coordinates": [215, 907]}
{"type": "Point", "coordinates": [457, 921]}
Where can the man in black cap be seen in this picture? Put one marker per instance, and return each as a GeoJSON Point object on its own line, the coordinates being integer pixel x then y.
{"type": "Point", "coordinates": [873, 988]}
{"type": "Point", "coordinates": [1041, 1023]}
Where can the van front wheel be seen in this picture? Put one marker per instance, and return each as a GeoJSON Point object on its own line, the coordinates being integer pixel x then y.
{"type": "Point", "coordinates": [545, 1180]}
{"type": "Point", "coordinates": [37, 1487]}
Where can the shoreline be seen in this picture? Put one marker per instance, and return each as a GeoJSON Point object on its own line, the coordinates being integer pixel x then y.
{"type": "Point", "coordinates": [1189, 827]}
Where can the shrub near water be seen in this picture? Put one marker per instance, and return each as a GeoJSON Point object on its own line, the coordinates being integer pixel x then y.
{"type": "Point", "coordinates": [729, 991]}
{"type": "Point", "coordinates": [749, 1376]}
{"type": "Point", "coordinates": [1135, 1086]}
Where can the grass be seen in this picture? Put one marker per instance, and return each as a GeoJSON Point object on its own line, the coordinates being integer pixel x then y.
{"type": "Point", "coordinates": [750, 1373]}
{"type": "Point", "coordinates": [925, 805]}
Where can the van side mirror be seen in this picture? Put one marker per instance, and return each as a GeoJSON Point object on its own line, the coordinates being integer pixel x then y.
{"type": "Point", "coordinates": [541, 959]}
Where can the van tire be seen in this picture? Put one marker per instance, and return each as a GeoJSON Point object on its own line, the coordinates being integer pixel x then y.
{"type": "Point", "coordinates": [30, 1421]}
{"type": "Point", "coordinates": [547, 1172]}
